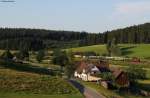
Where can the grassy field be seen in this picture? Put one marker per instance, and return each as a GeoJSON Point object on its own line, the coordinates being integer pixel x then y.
{"type": "Point", "coordinates": [18, 84]}
{"type": "Point", "coordinates": [100, 49]}
{"type": "Point", "coordinates": [28, 80]}
{"type": "Point", "coordinates": [15, 95]}
{"type": "Point", "coordinates": [130, 50]}
{"type": "Point", "coordinates": [136, 50]}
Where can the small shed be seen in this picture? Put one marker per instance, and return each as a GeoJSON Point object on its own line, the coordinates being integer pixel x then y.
{"type": "Point", "coordinates": [121, 77]}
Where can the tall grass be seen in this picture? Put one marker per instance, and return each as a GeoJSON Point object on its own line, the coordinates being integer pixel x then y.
{"type": "Point", "coordinates": [12, 81]}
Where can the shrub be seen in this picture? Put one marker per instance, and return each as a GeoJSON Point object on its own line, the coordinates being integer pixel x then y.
{"type": "Point", "coordinates": [7, 55]}
{"type": "Point", "coordinates": [107, 76]}
{"type": "Point", "coordinates": [136, 72]}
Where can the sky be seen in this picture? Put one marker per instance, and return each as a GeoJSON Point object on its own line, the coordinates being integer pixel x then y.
{"type": "Point", "coordinates": [74, 15]}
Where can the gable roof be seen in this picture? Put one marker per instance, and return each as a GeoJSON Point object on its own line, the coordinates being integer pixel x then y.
{"type": "Point", "coordinates": [102, 66]}
{"type": "Point", "coordinates": [86, 66]}
{"type": "Point", "coordinates": [82, 65]}
{"type": "Point", "coordinates": [116, 72]}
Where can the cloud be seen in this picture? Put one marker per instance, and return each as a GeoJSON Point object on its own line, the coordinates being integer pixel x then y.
{"type": "Point", "coordinates": [132, 8]}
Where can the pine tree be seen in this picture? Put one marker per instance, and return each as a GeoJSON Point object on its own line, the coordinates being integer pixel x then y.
{"type": "Point", "coordinates": [40, 55]}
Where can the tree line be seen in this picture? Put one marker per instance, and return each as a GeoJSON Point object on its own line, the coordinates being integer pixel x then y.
{"type": "Point", "coordinates": [133, 34]}
{"type": "Point", "coordinates": [37, 39]}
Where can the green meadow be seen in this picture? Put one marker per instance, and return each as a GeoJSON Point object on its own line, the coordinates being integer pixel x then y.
{"type": "Point", "coordinates": [15, 95]}
{"type": "Point", "coordinates": [18, 83]}
{"type": "Point", "coordinates": [128, 50]}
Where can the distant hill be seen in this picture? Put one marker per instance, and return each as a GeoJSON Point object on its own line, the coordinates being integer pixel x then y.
{"type": "Point", "coordinates": [35, 39]}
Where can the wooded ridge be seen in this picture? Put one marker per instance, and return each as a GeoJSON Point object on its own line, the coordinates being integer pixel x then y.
{"type": "Point", "coordinates": [35, 39]}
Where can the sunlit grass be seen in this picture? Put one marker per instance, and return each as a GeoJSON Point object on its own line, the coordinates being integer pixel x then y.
{"type": "Point", "coordinates": [130, 50]}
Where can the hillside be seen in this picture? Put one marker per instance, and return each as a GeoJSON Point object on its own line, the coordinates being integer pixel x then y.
{"type": "Point", "coordinates": [24, 80]}
{"type": "Point", "coordinates": [17, 84]}
{"type": "Point", "coordinates": [35, 39]}
{"type": "Point", "coordinates": [130, 50]}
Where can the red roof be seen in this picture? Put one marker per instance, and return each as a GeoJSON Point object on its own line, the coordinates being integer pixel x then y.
{"type": "Point", "coordinates": [82, 65]}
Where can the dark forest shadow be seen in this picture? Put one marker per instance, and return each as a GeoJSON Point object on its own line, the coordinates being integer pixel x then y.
{"type": "Point", "coordinates": [127, 51]}
{"type": "Point", "coordinates": [25, 67]}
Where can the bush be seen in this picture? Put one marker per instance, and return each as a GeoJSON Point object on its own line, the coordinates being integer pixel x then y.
{"type": "Point", "coordinates": [107, 76]}
{"type": "Point", "coordinates": [136, 72]}
{"type": "Point", "coordinates": [7, 55]}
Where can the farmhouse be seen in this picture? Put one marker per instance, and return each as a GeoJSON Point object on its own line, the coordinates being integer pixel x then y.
{"type": "Point", "coordinates": [87, 71]}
